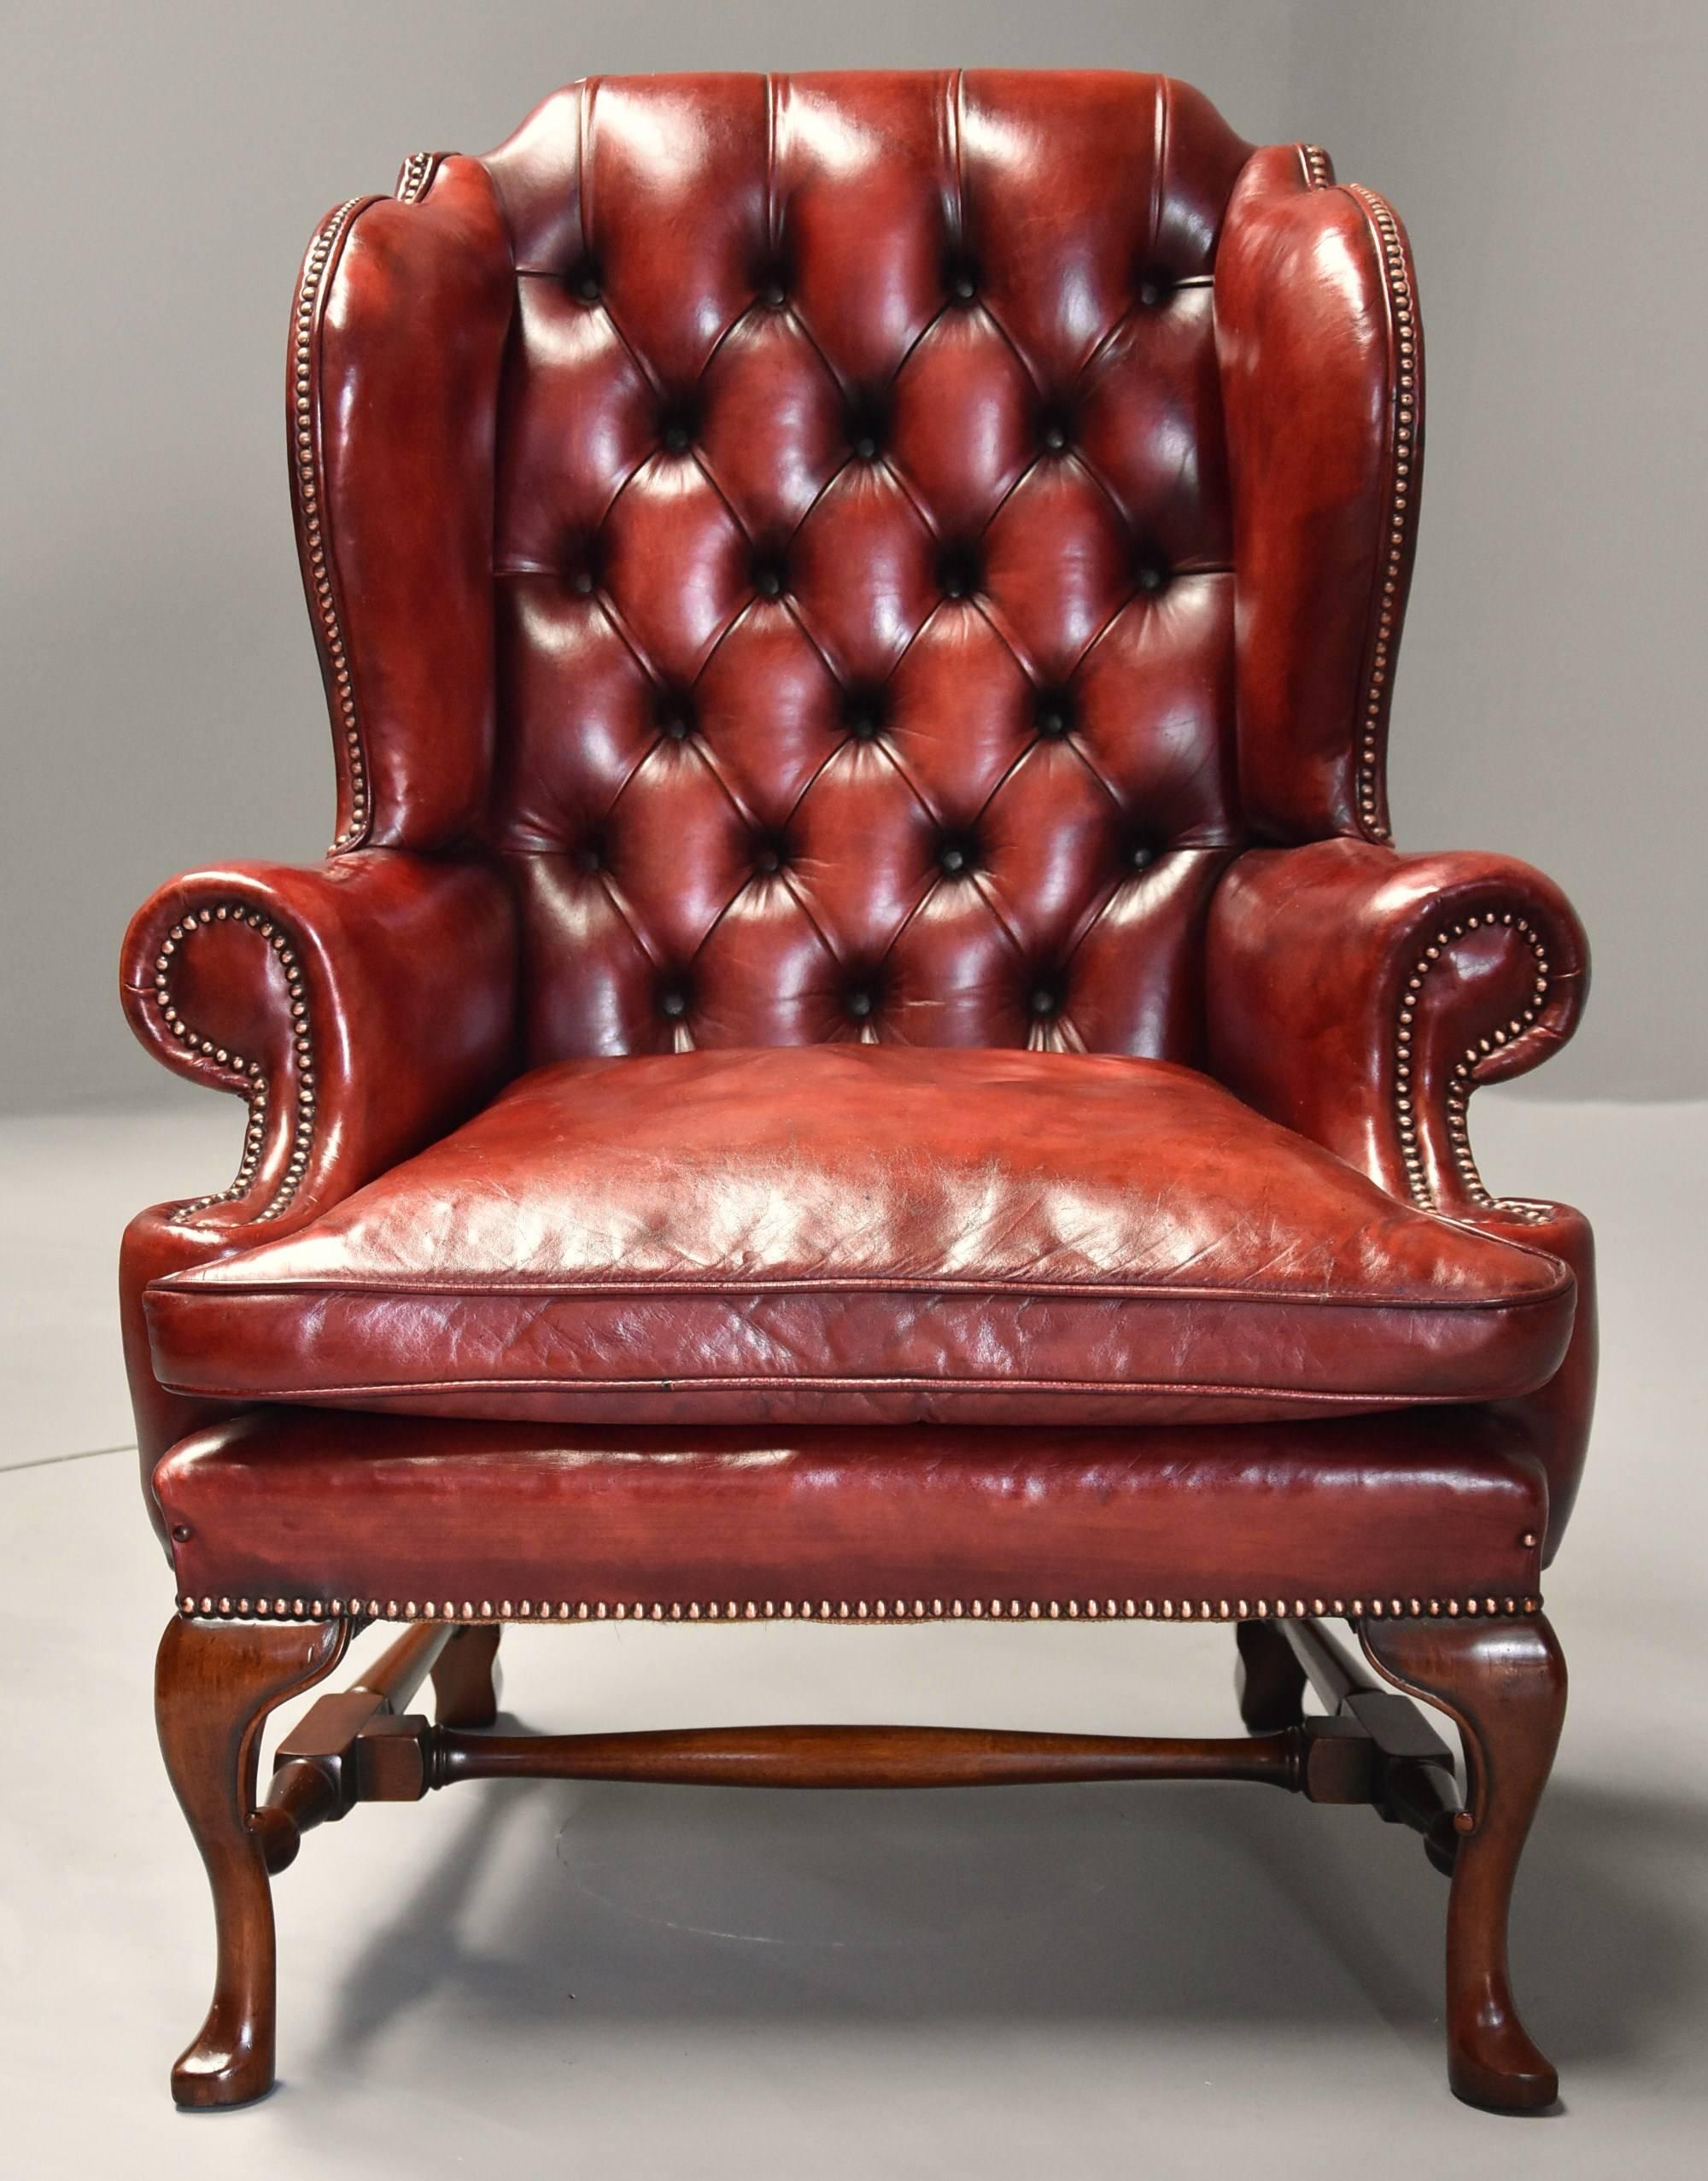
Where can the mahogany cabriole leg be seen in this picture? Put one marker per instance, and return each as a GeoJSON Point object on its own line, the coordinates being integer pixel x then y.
{"type": "Point", "coordinates": [465, 1678]}
{"type": "Point", "coordinates": [1503, 1684]}
{"type": "Point", "coordinates": [1269, 1682]}
{"type": "Point", "coordinates": [214, 1684]}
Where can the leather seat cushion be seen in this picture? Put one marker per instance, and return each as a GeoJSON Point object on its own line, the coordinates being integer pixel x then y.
{"type": "Point", "coordinates": [849, 1233]}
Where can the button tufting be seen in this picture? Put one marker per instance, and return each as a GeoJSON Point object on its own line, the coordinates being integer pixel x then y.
{"type": "Point", "coordinates": [959, 571]}
{"type": "Point", "coordinates": [1053, 429]}
{"type": "Point", "coordinates": [1055, 714]}
{"type": "Point", "coordinates": [862, 713]}
{"type": "Point", "coordinates": [955, 857]}
{"type": "Point", "coordinates": [829, 634]}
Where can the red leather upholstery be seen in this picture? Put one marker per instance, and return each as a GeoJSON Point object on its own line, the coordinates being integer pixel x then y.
{"type": "Point", "coordinates": [285, 1513]}
{"type": "Point", "coordinates": [864, 588]}
{"type": "Point", "coordinates": [883, 561]}
{"type": "Point", "coordinates": [358, 1010]}
{"type": "Point", "coordinates": [1361, 997]}
{"type": "Point", "coordinates": [835, 1235]}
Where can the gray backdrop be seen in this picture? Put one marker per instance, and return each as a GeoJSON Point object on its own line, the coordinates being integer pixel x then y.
{"type": "Point", "coordinates": [165, 162]}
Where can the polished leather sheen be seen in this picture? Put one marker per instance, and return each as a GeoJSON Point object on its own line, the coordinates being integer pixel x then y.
{"type": "Point", "coordinates": [838, 1234]}
{"type": "Point", "coordinates": [859, 614]}
{"type": "Point", "coordinates": [864, 561]}
{"type": "Point", "coordinates": [1437, 1505]}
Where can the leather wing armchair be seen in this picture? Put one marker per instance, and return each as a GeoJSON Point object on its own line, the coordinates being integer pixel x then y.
{"type": "Point", "coordinates": [862, 1051]}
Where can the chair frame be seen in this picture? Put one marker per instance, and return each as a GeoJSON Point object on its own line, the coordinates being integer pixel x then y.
{"type": "Point", "coordinates": [1405, 982]}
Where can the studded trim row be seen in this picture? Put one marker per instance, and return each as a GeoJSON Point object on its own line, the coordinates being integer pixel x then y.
{"type": "Point", "coordinates": [1464, 1068]}
{"type": "Point", "coordinates": [310, 489]}
{"type": "Point", "coordinates": [258, 1086]}
{"type": "Point", "coordinates": [1318, 167]}
{"type": "Point", "coordinates": [415, 176]}
{"type": "Point", "coordinates": [860, 1612]}
{"type": "Point", "coordinates": [1401, 498]}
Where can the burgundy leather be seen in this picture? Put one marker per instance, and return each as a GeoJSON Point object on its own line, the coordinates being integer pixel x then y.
{"type": "Point", "coordinates": [292, 1513]}
{"type": "Point", "coordinates": [360, 1009]}
{"type": "Point", "coordinates": [870, 562]}
{"type": "Point", "coordinates": [865, 610]}
{"type": "Point", "coordinates": [1321, 352]}
{"type": "Point", "coordinates": [842, 1233]}
{"type": "Point", "coordinates": [392, 377]}
{"type": "Point", "coordinates": [1351, 985]}
{"type": "Point", "coordinates": [1360, 997]}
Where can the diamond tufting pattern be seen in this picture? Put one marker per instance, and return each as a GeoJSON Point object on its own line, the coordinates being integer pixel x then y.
{"type": "Point", "coordinates": [862, 551]}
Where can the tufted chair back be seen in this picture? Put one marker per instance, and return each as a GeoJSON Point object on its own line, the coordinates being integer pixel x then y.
{"type": "Point", "coordinates": [866, 550]}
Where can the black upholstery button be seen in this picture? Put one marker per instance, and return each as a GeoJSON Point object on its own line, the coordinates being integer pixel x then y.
{"type": "Point", "coordinates": [957, 853]}
{"type": "Point", "coordinates": [770, 853]}
{"type": "Point", "coordinates": [1055, 427]}
{"type": "Point", "coordinates": [673, 710]}
{"type": "Point", "coordinates": [1138, 855]}
{"type": "Point", "coordinates": [586, 285]}
{"type": "Point", "coordinates": [860, 1004]}
{"type": "Point", "coordinates": [1151, 576]}
{"type": "Point", "coordinates": [867, 421]}
{"type": "Point", "coordinates": [768, 579]}
{"type": "Point", "coordinates": [581, 583]}
{"type": "Point", "coordinates": [958, 572]}
{"type": "Point", "coordinates": [963, 286]}
{"type": "Point", "coordinates": [590, 858]}
{"type": "Point", "coordinates": [1055, 714]}
{"type": "Point", "coordinates": [773, 294]}
{"type": "Point", "coordinates": [1155, 288]}
{"type": "Point", "coordinates": [862, 713]}
{"type": "Point", "coordinates": [677, 438]}
{"type": "Point", "coordinates": [1044, 1001]}
{"type": "Point", "coordinates": [673, 1003]}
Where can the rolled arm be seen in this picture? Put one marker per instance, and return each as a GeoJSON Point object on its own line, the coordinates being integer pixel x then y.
{"type": "Point", "coordinates": [360, 1007]}
{"type": "Point", "coordinates": [1360, 996]}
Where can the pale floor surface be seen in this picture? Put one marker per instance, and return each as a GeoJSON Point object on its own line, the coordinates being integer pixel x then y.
{"type": "Point", "coordinates": [624, 1982]}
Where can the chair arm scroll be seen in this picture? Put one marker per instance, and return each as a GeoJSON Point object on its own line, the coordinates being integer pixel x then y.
{"type": "Point", "coordinates": [360, 1007]}
{"type": "Point", "coordinates": [1360, 996]}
